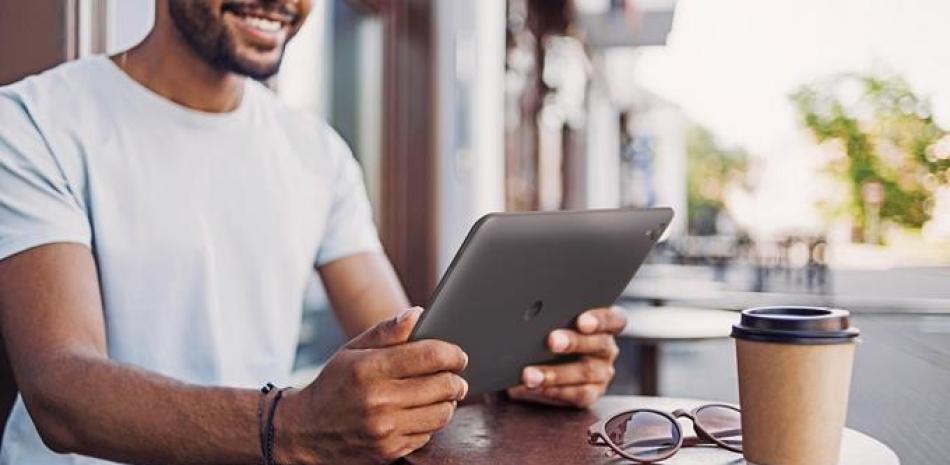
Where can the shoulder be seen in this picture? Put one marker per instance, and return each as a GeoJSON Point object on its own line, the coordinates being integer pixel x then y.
{"type": "Point", "coordinates": [30, 102]}
{"type": "Point", "coordinates": [60, 102]}
{"type": "Point", "coordinates": [62, 85]}
{"type": "Point", "coordinates": [47, 117]}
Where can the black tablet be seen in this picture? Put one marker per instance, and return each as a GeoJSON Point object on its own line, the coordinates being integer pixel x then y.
{"type": "Point", "coordinates": [518, 276]}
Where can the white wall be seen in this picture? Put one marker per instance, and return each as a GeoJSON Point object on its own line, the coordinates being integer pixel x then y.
{"type": "Point", "coordinates": [302, 81]}
{"type": "Point", "coordinates": [129, 22]}
{"type": "Point", "coordinates": [603, 142]}
{"type": "Point", "coordinates": [667, 124]}
{"type": "Point", "coordinates": [470, 117]}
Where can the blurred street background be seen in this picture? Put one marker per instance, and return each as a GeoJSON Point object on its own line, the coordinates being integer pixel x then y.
{"type": "Point", "coordinates": [803, 144]}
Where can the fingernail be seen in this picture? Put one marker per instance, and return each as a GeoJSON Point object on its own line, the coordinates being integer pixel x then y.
{"type": "Point", "coordinates": [533, 377]}
{"type": "Point", "coordinates": [464, 389]}
{"type": "Point", "coordinates": [559, 341]}
{"type": "Point", "coordinates": [407, 313]}
{"type": "Point", "coordinates": [466, 360]}
{"type": "Point", "coordinates": [587, 323]}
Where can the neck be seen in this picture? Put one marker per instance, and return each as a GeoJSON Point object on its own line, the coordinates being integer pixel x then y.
{"type": "Point", "coordinates": [168, 66]}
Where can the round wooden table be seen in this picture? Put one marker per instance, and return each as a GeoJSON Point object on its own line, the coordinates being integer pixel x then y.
{"type": "Point", "coordinates": [674, 323]}
{"type": "Point", "coordinates": [499, 431]}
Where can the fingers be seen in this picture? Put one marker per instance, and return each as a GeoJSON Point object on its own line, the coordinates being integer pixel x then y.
{"type": "Point", "coordinates": [395, 446]}
{"type": "Point", "coordinates": [531, 395]}
{"type": "Point", "coordinates": [415, 441]}
{"type": "Point", "coordinates": [389, 332]}
{"type": "Point", "coordinates": [427, 419]}
{"type": "Point", "coordinates": [422, 358]}
{"type": "Point", "coordinates": [602, 320]}
{"type": "Point", "coordinates": [582, 396]}
{"type": "Point", "coordinates": [566, 341]}
{"type": "Point", "coordinates": [588, 370]}
{"type": "Point", "coordinates": [400, 432]}
{"type": "Point", "coordinates": [577, 384]}
{"type": "Point", "coordinates": [432, 389]}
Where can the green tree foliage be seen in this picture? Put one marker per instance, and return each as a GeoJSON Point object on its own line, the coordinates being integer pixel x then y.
{"type": "Point", "coordinates": [710, 171]}
{"type": "Point", "coordinates": [887, 135]}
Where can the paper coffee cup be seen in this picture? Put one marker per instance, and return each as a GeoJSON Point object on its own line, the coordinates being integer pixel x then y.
{"type": "Point", "coordinates": [794, 377]}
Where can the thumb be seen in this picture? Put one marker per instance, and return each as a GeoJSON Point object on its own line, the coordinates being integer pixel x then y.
{"type": "Point", "coordinates": [389, 332]}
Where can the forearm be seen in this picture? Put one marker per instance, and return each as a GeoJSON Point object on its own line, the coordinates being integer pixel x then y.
{"type": "Point", "coordinates": [52, 324]}
{"type": "Point", "coordinates": [93, 406]}
{"type": "Point", "coordinates": [363, 290]}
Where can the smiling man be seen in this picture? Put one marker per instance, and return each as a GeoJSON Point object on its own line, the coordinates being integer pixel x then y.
{"type": "Point", "coordinates": [160, 215]}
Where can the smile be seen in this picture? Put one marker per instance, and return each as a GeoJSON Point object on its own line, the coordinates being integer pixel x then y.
{"type": "Point", "coordinates": [252, 15]}
{"type": "Point", "coordinates": [263, 24]}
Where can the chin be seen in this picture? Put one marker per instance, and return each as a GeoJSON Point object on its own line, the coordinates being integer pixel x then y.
{"type": "Point", "coordinates": [254, 66]}
{"type": "Point", "coordinates": [240, 36]}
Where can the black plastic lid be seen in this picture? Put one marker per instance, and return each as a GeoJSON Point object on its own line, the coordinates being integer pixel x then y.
{"type": "Point", "coordinates": [796, 325]}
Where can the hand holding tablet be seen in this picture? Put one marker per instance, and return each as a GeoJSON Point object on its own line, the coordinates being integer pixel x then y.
{"type": "Point", "coordinates": [581, 382]}
{"type": "Point", "coordinates": [520, 276]}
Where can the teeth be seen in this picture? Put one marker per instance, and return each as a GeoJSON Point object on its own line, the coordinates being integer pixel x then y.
{"type": "Point", "coordinates": [263, 24]}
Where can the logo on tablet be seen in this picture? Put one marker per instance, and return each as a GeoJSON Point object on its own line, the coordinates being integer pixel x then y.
{"type": "Point", "coordinates": [533, 310]}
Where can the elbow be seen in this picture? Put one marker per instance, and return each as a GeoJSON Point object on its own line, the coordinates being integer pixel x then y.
{"type": "Point", "coordinates": [55, 432]}
{"type": "Point", "coordinates": [58, 441]}
{"type": "Point", "coordinates": [56, 395]}
{"type": "Point", "coordinates": [49, 409]}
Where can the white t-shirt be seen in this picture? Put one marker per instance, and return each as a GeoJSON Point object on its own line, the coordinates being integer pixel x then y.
{"type": "Point", "coordinates": [205, 227]}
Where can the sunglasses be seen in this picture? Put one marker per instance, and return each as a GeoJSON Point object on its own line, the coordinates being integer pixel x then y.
{"type": "Point", "coordinates": [648, 436]}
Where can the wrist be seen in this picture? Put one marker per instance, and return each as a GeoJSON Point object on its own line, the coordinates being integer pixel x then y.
{"type": "Point", "coordinates": [291, 442]}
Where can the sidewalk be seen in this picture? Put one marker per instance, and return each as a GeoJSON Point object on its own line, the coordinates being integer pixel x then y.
{"type": "Point", "coordinates": [918, 290]}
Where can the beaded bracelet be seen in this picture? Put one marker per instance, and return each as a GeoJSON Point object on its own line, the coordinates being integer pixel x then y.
{"type": "Point", "coordinates": [262, 426]}
{"type": "Point", "coordinates": [271, 431]}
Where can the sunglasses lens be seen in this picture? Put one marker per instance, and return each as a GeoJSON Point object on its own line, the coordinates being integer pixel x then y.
{"type": "Point", "coordinates": [723, 423]}
{"type": "Point", "coordinates": [644, 435]}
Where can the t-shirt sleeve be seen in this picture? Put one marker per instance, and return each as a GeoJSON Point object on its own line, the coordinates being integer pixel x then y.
{"type": "Point", "coordinates": [350, 229]}
{"type": "Point", "coordinates": [36, 204]}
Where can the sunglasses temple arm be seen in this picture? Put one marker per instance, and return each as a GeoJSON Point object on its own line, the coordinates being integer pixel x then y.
{"type": "Point", "coordinates": [706, 438]}
{"type": "Point", "coordinates": [727, 433]}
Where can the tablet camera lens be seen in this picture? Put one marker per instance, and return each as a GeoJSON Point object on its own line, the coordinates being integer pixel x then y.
{"type": "Point", "coordinates": [533, 310]}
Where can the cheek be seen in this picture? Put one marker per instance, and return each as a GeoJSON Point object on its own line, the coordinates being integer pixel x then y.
{"type": "Point", "coordinates": [208, 21]}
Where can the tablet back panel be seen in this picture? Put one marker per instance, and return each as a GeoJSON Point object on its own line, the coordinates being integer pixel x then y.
{"type": "Point", "coordinates": [518, 276]}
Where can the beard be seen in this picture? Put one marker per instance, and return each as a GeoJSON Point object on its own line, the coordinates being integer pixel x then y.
{"type": "Point", "coordinates": [206, 33]}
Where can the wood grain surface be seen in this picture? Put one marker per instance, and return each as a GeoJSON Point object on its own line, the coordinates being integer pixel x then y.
{"type": "Point", "coordinates": [503, 432]}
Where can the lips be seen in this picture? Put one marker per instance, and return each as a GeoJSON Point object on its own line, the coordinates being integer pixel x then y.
{"type": "Point", "coordinates": [269, 19]}
{"type": "Point", "coordinates": [265, 26]}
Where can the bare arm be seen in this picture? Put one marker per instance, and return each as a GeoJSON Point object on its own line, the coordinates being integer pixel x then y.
{"type": "Point", "coordinates": [81, 402]}
{"type": "Point", "coordinates": [363, 290]}
{"type": "Point", "coordinates": [378, 399]}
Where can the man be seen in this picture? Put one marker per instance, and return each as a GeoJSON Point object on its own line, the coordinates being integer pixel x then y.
{"type": "Point", "coordinates": [159, 216]}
